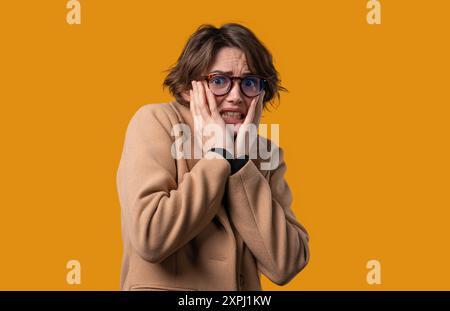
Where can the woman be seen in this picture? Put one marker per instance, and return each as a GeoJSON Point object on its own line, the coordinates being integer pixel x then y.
{"type": "Point", "coordinates": [217, 221]}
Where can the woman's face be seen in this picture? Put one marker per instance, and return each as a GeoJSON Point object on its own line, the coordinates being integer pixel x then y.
{"type": "Point", "coordinates": [231, 61]}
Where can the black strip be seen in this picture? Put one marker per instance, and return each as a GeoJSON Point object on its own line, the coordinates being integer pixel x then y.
{"type": "Point", "coordinates": [153, 300]}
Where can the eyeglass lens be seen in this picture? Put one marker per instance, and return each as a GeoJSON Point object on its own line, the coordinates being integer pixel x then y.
{"type": "Point", "coordinates": [250, 85]}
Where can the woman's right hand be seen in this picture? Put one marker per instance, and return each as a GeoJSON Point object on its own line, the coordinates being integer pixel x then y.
{"type": "Point", "coordinates": [210, 129]}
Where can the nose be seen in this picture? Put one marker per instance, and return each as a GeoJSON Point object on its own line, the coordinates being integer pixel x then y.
{"type": "Point", "coordinates": [235, 95]}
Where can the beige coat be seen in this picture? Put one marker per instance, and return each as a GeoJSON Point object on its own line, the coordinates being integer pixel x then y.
{"type": "Point", "coordinates": [188, 224]}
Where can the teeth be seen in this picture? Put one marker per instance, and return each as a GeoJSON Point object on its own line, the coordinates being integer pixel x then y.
{"type": "Point", "coordinates": [231, 114]}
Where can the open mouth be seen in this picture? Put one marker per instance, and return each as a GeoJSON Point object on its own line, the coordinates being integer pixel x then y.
{"type": "Point", "coordinates": [233, 117]}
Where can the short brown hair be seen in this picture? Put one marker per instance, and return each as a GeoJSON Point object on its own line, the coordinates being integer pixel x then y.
{"type": "Point", "coordinates": [201, 49]}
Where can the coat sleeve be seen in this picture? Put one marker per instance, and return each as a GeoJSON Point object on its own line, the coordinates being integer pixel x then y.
{"type": "Point", "coordinates": [160, 213]}
{"type": "Point", "coordinates": [260, 209]}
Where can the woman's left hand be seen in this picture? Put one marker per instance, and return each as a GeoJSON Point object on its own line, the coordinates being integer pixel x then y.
{"type": "Point", "coordinates": [245, 130]}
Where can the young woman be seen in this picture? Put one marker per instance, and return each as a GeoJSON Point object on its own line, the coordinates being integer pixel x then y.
{"type": "Point", "coordinates": [214, 222]}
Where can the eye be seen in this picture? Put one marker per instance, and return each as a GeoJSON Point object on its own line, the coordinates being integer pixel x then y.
{"type": "Point", "coordinates": [218, 80]}
{"type": "Point", "coordinates": [251, 82]}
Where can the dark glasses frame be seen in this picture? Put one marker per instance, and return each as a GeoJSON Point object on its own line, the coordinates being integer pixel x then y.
{"type": "Point", "coordinates": [232, 78]}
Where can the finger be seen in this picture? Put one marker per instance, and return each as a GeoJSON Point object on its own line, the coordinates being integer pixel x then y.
{"type": "Point", "coordinates": [194, 99]}
{"type": "Point", "coordinates": [191, 103]}
{"type": "Point", "coordinates": [211, 101]}
{"type": "Point", "coordinates": [204, 110]}
{"type": "Point", "coordinates": [203, 95]}
{"type": "Point", "coordinates": [259, 108]}
{"type": "Point", "coordinates": [198, 120]}
{"type": "Point", "coordinates": [198, 100]}
{"type": "Point", "coordinates": [251, 111]}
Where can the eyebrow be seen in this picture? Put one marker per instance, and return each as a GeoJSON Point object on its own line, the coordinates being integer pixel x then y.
{"type": "Point", "coordinates": [228, 72]}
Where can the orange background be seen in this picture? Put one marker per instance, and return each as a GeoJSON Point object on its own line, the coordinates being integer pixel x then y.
{"type": "Point", "coordinates": [365, 127]}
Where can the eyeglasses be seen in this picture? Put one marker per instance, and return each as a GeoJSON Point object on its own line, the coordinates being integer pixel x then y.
{"type": "Point", "coordinates": [250, 85]}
